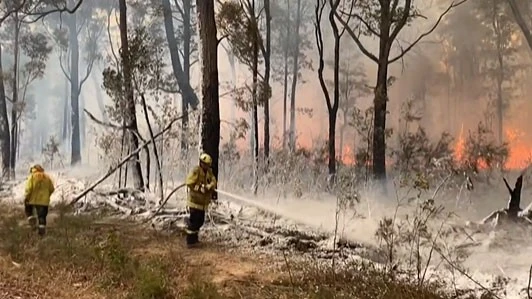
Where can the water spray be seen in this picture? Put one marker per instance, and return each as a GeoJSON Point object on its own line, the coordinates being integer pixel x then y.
{"type": "Point", "coordinates": [255, 203]}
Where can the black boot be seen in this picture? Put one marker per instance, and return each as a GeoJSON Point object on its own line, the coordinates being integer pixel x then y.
{"type": "Point", "coordinates": [42, 230]}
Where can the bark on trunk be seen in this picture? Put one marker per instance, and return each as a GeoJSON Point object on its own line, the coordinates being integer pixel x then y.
{"type": "Point", "coordinates": [285, 84]}
{"type": "Point", "coordinates": [66, 119]}
{"type": "Point", "coordinates": [130, 113]}
{"type": "Point", "coordinates": [380, 101]}
{"type": "Point", "coordinates": [500, 74]}
{"type": "Point", "coordinates": [379, 123]}
{"type": "Point", "coordinates": [187, 39]}
{"type": "Point", "coordinates": [295, 72]}
{"type": "Point", "coordinates": [4, 124]}
{"type": "Point", "coordinates": [82, 123]}
{"type": "Point", "coordinates": [15, 106]}
{"type": "Point", "coordinates": [210, 126]}
{"type": "Point", "coordinates": [75, 153]}
{"type": "Point", "coordinates": [267, 82]}
{"type": "Point", "coordinates": [332, 104]}
{"type": "Point", "coordinates": [333, 109]}
{"type": "Point", "coordinates": [254, 110]}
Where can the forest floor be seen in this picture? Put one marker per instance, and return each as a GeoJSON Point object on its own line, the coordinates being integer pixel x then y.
{"type": "Point", "coordinates": [96, 256]}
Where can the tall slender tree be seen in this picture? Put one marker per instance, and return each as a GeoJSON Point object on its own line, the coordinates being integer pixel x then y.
{"type": "Point", "coordinates": [129, 97]}
{"type": "Point", "coordinates": [383, 20]}
{"type": "Point", "coordinates": [210, 116]}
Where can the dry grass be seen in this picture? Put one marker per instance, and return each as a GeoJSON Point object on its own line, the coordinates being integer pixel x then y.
{"type": "Point", "coordinates": [90, 256]}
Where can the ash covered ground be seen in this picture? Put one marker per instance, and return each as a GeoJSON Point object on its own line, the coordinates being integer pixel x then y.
{"type": "Point", "coordinates": [312, 226]}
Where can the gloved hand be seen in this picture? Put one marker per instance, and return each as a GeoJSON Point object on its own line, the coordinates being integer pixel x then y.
{"type": "Point", "coordinates": [203, 189]}
{"type": "Point", "coordinates": [196, 188]}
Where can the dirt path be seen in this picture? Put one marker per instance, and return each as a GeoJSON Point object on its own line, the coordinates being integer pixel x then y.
{"type": "Point", "coordinates": [64, 264]}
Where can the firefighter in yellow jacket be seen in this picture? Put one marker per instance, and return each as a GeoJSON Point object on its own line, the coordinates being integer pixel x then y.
{"type": "Point", "coordinates": [201, 184]}
{"type": "Point", "coordinates": [39, 188]}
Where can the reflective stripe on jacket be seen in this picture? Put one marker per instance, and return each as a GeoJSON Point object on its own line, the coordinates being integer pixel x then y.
{"type": "Point", "coordinates": [196, 178]}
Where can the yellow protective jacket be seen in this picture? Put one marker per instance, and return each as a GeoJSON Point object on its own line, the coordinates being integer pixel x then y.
{"type": "Point", "coordinates": [195, 179]}
{"type": "Point", "coordinates": [39, 188]}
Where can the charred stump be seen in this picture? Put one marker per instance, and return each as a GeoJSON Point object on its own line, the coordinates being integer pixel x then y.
{"type": "Point", "coordinates": [513, 212]}
{"type": "Point", "coordinates": [514, 204]}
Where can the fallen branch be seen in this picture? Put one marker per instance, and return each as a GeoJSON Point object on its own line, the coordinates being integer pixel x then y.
{"type": "Point", "coordinates": [106, 124]}
{"type": "Point", "coordinates": [124, 160]}
{"type": "Point", "coordinates": [452, 265]}
{"type": "Point", "coordinates": [118, 207]}
{"type": "Point", "coordinates": [164, 202]}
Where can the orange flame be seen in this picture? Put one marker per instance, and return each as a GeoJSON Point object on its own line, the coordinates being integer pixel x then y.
{"type": "Point", "coordinates": [347, 156]}
{"type": "Point", "coordinates": [520, 152]}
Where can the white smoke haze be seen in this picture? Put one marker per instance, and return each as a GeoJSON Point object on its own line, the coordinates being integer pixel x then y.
{"type": "Point", "coordinates": [448, 77]}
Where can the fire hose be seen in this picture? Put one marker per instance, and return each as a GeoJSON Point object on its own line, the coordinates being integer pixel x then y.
{"type": "Point", "coordinates": [228, 195]}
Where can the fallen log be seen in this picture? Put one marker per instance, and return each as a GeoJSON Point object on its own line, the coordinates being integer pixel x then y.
{"type": "Point", "coordinates": [123, 161]}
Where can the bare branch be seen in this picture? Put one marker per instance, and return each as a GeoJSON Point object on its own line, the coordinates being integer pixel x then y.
{"type": "Point", "coordinates": [356, 39]}
{"type": "Point", "coordinates": [361, 20]}
{"type": "Point", "coordinates": [60, 10]}
{"type": "Point", "coordinates": [131, 155]}
{"type": "Point", "coordinates": [440, 18]}
{"type": "Point", "coordinates": [113, 52]}
{"type": "Point", "coordinates": [179, 8]}
{"type": "Point", "coordinates": [14, 10]}
{"type": "Point", "coordinates": [404, 18]}
{"type": "Point", "coordinates": [105, 124]}
{"type": "Point", "coordinates": [88, 72]}
{"type": "Point", "coordinates": [62, 66]}
{"type": "Point", "coordinates": [319, 43]}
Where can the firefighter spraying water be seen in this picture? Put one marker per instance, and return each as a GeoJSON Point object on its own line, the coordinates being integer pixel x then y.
{"type": "Point", "coordinates": [201, 184]}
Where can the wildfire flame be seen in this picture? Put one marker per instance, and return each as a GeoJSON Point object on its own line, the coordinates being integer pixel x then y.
{"type": "Point", "coordinates": [520, 151]}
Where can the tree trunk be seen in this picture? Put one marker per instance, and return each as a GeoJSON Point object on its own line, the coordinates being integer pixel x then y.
{"type": "Point", "coordinates": [82, 123]}
{"type": "Point", "coordinates": [332, 104]}
{"type": "Point", "coordinates": [210, 118]}
{"type": "Point", "coordinates": [500, 73]}
{"type": "Point", "coordinates": [75, 152]}
{"type": "Point", "coordinates": [66, 120]}
{"type": "Point", "coordinates": [379, 121]}
{"type": "Point", "coordinates": [380, 101]}
{"type": "Point", "coordinates": [267, 67]}
{"type": "Point", "coordinates": [187, 39]}
{"type": "Point", "coordinates": [130, 113]}
{"type": "Point", "coordinates": [333, 109]}
{"type": "Point", "coordinates": [285, 84]}
{"type": "Point", "coordinates": [186, 90]}
{"type": "Point", "coordinates": [295, 72]}
{"type": "Point", "coordinates": [4, 124]}
{"type": "Point", "coordinates": [15, 106]}
{"type": "Point", "coordinates": [254, 112]}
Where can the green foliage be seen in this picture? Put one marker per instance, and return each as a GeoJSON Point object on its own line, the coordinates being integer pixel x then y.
{"type": "Point", "coordinates": [239, 25]}
{"type": "Point", "coordinates": [147, 66]}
